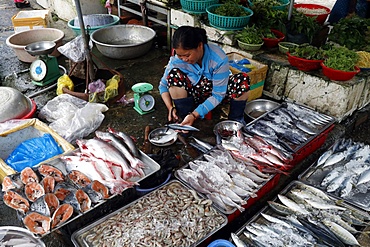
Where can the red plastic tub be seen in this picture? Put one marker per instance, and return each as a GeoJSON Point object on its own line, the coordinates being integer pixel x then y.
{"type": "Point", "coordinates": [320, 18]}
{"type": "Point", "coordinates": [304, 64]}
{"type": "Point", "coordinates": [339, 75]}
{"type": "Point", "coordinates": [270, 43]}
{"type": "Point", "coordinates": [32, 112]}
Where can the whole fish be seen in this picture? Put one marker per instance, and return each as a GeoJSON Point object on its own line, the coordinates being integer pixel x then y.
{"type": "Point", "coordinates": [334, 159]}
{"type": "Point", "coordinates": [176, 126]}
{"type": "Point", "coordinates": [102, 150]}
{"type": "Point", "coordinates": [206, 145]}
{"type": "Point", "coordinates": [292, 205]}
{"type": "Point", "coordinates": [323, 206]}
{"type": "Point", "coordinates": [344, 235]}
{"type": "Point", "coordinates": [128, 141]}
{"type": "Point", "coordinates": [322, 159]}
{"type": "Point", "coordinates": [237, 241]}
{"type": "Point", "coordinates": [364, 177]}
{"type": "Point", "coordinates": [135, 162]}
{"type": "Point", "coordinates": [226, 200]}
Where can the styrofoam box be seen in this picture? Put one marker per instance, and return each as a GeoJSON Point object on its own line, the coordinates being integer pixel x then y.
{"type": "Point", "coordinates": [31, 19]}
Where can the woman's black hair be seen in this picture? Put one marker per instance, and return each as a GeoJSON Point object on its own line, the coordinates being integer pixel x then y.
{"type": "Point", "coordinates": [188, 37]}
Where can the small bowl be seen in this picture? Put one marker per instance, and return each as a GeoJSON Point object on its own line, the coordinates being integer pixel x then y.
{"type": "Point", "coordinates": [256, 108]}
{"type": "Point", "coordinates": [249, 47]}
{"type": "Point", "coordinates": [285, 47]}
{"type": "Point", "coordinates": [270, 43]}
{"type": "Point", "coordinates": [339, 75]}
{"type": "Point", "coordinates": [161, 131]}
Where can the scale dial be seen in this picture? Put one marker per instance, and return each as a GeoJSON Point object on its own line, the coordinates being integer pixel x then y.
{"type": "Point", "coordinates": [146, 102]}
{"type": "Point", "coordinates": [38, 70]}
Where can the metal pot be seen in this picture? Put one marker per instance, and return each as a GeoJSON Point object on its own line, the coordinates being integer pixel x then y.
{"type": "Point", "coordinates": [123, 41]}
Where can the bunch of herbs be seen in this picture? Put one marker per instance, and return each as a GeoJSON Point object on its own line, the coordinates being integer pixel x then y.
{"type": "Point", "coordinates": [341, 58]}
{"type": "Point", "coordinates": [309, 52]}
{"type": "Point", "coordinates": [230, 8]}
{"type": "Point", "coordinates": [249, 35]}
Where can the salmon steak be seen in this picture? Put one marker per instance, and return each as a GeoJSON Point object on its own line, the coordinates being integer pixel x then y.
{"type": "Point", "coordinates": [16, 201]}
{"type": "Point", "coordinates": [29, 175]}
{"type": "Point", "coordinates": [84, 200]}
{"type": "Point", "coordinates": [33, 191]}
{"type": "Point", "coordinates": [79, 178]}
{"type": "Point", "coordinates": [12, 181]}
{"type": "Point", "coordinates": [48, 170]}
{"type": "Point", "coordinates": [37, 223]}
{"type": "Point", "coordinates": [61, 215]}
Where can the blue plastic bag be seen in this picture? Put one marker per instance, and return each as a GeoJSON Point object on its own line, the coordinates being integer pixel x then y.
{"type": "Point", "coordinates": [33, 151]}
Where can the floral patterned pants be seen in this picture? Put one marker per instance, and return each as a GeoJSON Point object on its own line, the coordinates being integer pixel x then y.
{"type": "Point", "coordinates": [238, 84]}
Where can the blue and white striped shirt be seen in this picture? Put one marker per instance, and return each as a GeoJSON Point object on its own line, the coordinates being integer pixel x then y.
{"type": "Point", "coordinates": [215, 67]}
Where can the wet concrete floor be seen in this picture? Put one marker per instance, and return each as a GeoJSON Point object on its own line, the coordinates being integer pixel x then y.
{"type": "Point", "coordinates": [148, 68]}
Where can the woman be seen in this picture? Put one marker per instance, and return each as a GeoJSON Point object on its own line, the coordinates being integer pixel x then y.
{"type": "Point", "coordinates": [197, 79]}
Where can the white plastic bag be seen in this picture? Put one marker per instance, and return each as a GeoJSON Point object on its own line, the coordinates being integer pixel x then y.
{"type": "Point", "coordinates": [83, 122]}
{"type": "Point", "coordinates": [75, 49]}
{"type": "Point", "coordinates": [61, 106]}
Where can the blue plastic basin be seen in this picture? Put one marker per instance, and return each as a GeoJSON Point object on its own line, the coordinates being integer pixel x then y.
{"type": "Point", "coordinates": [221, 243]}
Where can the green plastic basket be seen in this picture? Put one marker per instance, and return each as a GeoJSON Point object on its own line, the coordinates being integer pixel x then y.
{"type": "Point", "coordinates": [227, 22]}
{"type": "Point", "coordinates": [196, 6]}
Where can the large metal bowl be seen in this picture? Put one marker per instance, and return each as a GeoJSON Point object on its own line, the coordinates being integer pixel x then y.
{"type": "Point", "coordinates": [227, 129]}
{"type": "Point", "coordinates": [13, 104]}
{"type": "Point", "coordinates": [123, 41]}
{"type": "Point", "coordinates": [256, 108]}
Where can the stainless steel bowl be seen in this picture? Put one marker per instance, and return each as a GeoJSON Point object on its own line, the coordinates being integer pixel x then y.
{"type": "Point", "coordinates": [157, 133]}
{"type": "Point", "coordinates": [13, 104]}
{"type": "Point", "coordinates": [40, 48]}
{"type": "Point", "coordinates": [226, 129]}
{"type": "Point", "coordinates": [256, 108]}
{"type": "Point", "coordinates": [123, 41]}
{"type": "Point", "coordinates": [18, 236]}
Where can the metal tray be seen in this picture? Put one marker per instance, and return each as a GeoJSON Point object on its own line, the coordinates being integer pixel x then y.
{"type": "Point", "coordinates": [151, 205]}
{"type": "Point", "coordinates": [75, 221]}
{"type": "Point", "coordinates": [227, 212]}
{"type": "Point", "coordinates": [313, 176]}
{"type": "Point", "coordinates": [295, 147]}
{"type": "Point", "coordinates": [258, 218]}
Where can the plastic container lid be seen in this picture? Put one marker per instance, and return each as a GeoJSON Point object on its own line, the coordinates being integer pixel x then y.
{"type": "Point", "coordinates": [17, 236]}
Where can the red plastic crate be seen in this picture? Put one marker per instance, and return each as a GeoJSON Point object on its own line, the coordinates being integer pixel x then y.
{"type": "Point", "coordinates": [311, 146]}
{"type": "Point", "coordinates": [261, 192]}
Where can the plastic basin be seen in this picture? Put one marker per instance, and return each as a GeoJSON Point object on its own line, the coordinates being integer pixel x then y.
{"type": "Point", "coordinates": [270, 43]}
{"type": "Point", "coordinates": [19, 41]}
{"type": "Point", "coordinates": [320, 18]}
{"type": "Point", "coordinates": [141, 191]}
{"type": "Point", "coordinates": [77, 29]}
{"type": "Point", "coordinates": [304, 64]}
{"type": "Point", "coordinates": [221, 243]}
{"type": "Point", "coordinates": [339, 75]}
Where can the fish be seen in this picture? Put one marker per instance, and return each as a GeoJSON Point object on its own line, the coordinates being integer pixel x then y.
{"type": "Point", "coordinates": [29, 175]}
{"type": "Point", "coordinates": [63, 213]}
{"type": "Point", "coordinates": [206, 145]}
{"type": "Point", "coordinates": [363, 178]}
{"type": "Point", "coordinates": [37, 223]}
{"type": "Point", "coordinates": [163, 138]}
{"type": "Point", "coordinates": [215, 198]}
{"type": "Point", "coordinates": [292, 205]}
{"type": "Point", "coordinates": [344, 235]}
{"type": "Point", "coordinates": [16, 201]}
{"type": "Point", "coordinates": [63, 189]}
{"type": "Point", "coordinates": [84, 200]}
{"type": "Point", "coordinates": [322, 159]}
{"type": "Point", "coordinates": [33, 191]}
{"type": "Point", "coordinates": [100, 188]}
{"type": "Point", "coordinates": [48, 170]}
{"type": "Point", "coordinates": [128, 141]}
{"type": "Point", "coordinates": [103, 150]}
{"type": "Point", "coordinates": [324, 206]}
{"type": "Point", "coordinates": [135, 162]}
{"type": "Point", "coordinates": [12, 181]}
{"type": "Point", "coordinates": [40, 206]}
{"type": "Point", "coordinates": [48, 182]}
{"type": "Point", "coordinates": [227, 201]}
{"type": "Point", "coordinates": [237, 241]}
{"type": "Point", "coordinates": [79, 178]}
{"type": "Point", "coordinates": [280, 208]}
{"type": "Point", "coordinates": [176, 126]}
{"type": "Point", "coordinates": [334, 159]}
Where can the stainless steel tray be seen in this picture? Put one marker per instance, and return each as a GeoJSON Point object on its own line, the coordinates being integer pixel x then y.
{"type": "Point", "coordinates": [75, 221]}
{"type": "Point", "coordinates": [313, 176]}
{"type": "Point", "coordinates": [152, 208]}
{"type": "Point", "coordinates": [258, 218]}
{"type": "Point", "coordinates": [224, 211]}
{"type": "Point", "coordinates": [319, 130]}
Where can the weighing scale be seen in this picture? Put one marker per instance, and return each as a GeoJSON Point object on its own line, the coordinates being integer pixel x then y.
{"type": "Point", "coordinates": [45, 68]}
{"type": "Point", "coordinates": [144, 102]}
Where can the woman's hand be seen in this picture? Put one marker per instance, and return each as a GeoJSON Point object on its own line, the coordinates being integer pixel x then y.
{"type": "Point", "coordinates": [172, 115]}
{"type": "Point", "coordinates": [190, 118]}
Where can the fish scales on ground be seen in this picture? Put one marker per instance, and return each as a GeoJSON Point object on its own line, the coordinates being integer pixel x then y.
{"type": "Point", "coordinates": [324, 224]}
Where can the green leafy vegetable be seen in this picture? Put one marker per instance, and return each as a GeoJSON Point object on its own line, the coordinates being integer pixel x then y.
{"type": "Point", "coordinates": [341, 58]}
{"type": "Point", "coordinates": [232, 9]}
{"type": "Point", "coordinates": [249, 35]}
{"type": "Point", "coordinates": [308, 52]}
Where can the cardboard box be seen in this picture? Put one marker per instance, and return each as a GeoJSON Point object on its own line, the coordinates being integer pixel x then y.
{"type": "Point", "coordinates": [10, 139]}
{"type": "Point", "coordinates": [257, 76]}
{"type": "Point", "coordinates": [31, 19]}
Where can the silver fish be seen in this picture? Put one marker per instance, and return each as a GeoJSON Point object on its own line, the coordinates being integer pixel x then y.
{"type": "Point", "coordinates": [128, 141]}
{"type": "Point", "coordinates": [237, 241]}
{"type": "Point", "coordinates": [322, 159]}
{"type": "Point", "coordinates": [176, 126]}
{"type": "Point", "coordinates": [364, 177]}
{"type": "Point", "coordinates": [164, 138]}
{"type": "Point", "coordinates": [344, 235]}
{"type": "Point", "coordinates": [292, 205]}
{"type": "Point", "coordinates": [206, 145]}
